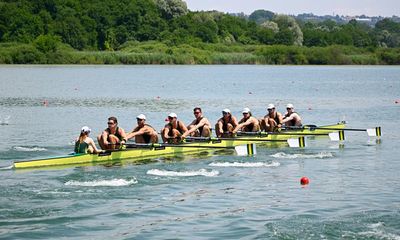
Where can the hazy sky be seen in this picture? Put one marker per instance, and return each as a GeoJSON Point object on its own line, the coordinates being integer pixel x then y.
{"type": "Point", "coordinates": [385, 8]}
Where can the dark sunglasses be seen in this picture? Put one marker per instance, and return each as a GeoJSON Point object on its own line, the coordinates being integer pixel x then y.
{"type": "Point", "coordinates": [110, 123]}
{"type": "Point", "coordinates": [196, 112]}
{"type": "Point", "coordinates": [170, 118]}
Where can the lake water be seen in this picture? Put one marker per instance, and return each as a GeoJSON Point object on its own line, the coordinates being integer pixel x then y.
{"type": "Point", "coordinates": [354, 190]}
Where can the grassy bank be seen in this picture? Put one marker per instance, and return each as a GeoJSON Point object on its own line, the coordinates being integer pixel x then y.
{"type": "Point", "coordinates": [199, 53]}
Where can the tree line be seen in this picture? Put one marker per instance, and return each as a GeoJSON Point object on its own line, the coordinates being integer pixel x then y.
{"type": "Point", "coordinates": [72, 31]}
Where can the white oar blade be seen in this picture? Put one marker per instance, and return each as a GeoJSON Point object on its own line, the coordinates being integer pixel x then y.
{"type": "Point", "coordinates": [334, 136]}
{"type": "Point", "coordinates": [297, 142]}
{"type": "Point", "coordinates": [374, 132]}
{"type": "Point", "coordinates": [337, 136]}
{"type": "Point", "coordinates": [244, 150]}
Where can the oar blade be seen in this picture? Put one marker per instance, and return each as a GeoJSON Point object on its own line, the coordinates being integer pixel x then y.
{"type": "Point", "coordinates": [245, 150]}
{"type": "Point", "coordinates": [337, 136]}
{"type": "Point", "coordinates": [297, 142]}
{"type": "Point", "coordinates": [374, 132]}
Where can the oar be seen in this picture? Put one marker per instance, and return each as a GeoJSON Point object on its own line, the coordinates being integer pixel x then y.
{"type": "Point", "coordinates": [265, 134]}
{"type": "Point", "coordinates": [293, 142]}
{"type": "Point", "coordinates": [241, 150]}
{"type": "Point", "coordinates": [372, 132]}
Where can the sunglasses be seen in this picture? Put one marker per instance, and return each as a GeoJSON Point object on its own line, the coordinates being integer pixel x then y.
{"type": "Point", "coordinates": [110, 123]}
{"type": "Point", "coordinates": [288, 108]}
{"type": "Point", "coordinates": [170, 118]}
{"type": "Point", "coordinates": [225, 113]}
{"type": "Point", "coordinates": [270, 109]}
{"type": "Point", "coordinates": [196, 112]}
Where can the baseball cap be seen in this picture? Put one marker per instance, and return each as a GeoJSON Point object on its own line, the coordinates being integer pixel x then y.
{"type": "Point", "coordinates": [271, 106]}
{"type": "Point", "coordinates": [289, 105]}
{"type": "Point", "coordinates": [246, 110]}
{"type": "Point", "coordinates": [226, 110]}
{"type": "Point", "coordinates": [172, 115]}
{"type": "Point", "coordinates": [141, 116]}
{"type": "Point", "coordinates": [86, 129]}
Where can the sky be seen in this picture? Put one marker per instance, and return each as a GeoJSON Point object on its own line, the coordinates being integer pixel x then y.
{"type": "Point", "coordinates": [384, 8]}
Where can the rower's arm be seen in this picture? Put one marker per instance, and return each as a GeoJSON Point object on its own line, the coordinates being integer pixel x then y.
{"type": "Point", "coordinates": [248, 122]}
{"type": "Point", "coordinates": [287, 119]}
{"type": "Point", "coordinates": [123, 135]}
{"type": "Point", "coordinates": [280, 118]}
{"type": "Point", "coordinates": [95, 149]}
{"type": "Point", "coordinates": [165, 131]}
{"type": "Point", "coordinates": [234, 122]}
{"type": "Point", "coordinates": [131, 135]}
{"type": "Point", "coordinates": [105, 137]}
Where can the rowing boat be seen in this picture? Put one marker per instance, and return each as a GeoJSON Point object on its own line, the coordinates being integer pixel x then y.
{"type": "Point", "coordinates": [134, 151]}
{"type": "Point", "coordinates": [147, 151]}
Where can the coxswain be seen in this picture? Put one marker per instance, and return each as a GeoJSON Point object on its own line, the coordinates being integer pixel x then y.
{"type": "Point", "coordinates": [291, 118]}
{"type": "Point", "coordinates": [143, 133]}
{"type": "Point", "coordinates": [173, 130]}
{"type": "Point", "coordinates": [200, 127]}
{"type": "Point", "coordinates": [113, 136]}
{"type": "Point", "coordinates": [248, 123]}
{"type": "Point", "coordinates": [84, 143]}
{"type": "Point", "coordinates": [226, 124]}
{"type": "Point", "coordinates": [272, 121]}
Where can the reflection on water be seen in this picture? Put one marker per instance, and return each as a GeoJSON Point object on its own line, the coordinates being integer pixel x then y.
{"type": "Point", "coordinates": [353, 190]}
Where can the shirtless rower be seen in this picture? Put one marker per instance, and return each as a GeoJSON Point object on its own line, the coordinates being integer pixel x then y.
{"type": "Point", "coordinates": [248, 123]}
{"type": "Point", "coordinates": [200, 127]}
{"type": "Point", "coordinates": [143, 133]}
{"type": "Point", "coordinates": [273, 120]}
{"type": "Point", "coordinates": [112, 136]}
{"type": "Point", "coordinates": [225, 124]}
{"type": "Point", "coordinates": [291, 118]}
{"type": "Point", "coordinates": [173, 130]}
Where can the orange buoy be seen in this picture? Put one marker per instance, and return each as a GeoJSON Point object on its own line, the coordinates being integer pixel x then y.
{"type": "Point", "coordinates": [304, 181]}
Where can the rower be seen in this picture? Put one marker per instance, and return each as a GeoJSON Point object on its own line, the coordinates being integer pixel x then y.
{"type": "Point", "coordinates": [172, 131]}
{"type": "Point", "coordinates": [84, 143]}
{"type": "Point", "coordinates": [291, 118]}
{"type": "Point", "coordinates": [272, 121]}
{"type": "Point", "coordinates": [248, 123]}
{"type": "Point", "coordinates": [143, 133]}
{"type": "Point", "coordinates": [112, 135]}
{"type": "Point", "coordinates": [225, 124]}
{"type": "Point", "coordinates": [200, 127]}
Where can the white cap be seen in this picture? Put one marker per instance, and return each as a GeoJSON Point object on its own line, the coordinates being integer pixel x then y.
{"type": "Point", "coordinates": [226, 110]}
{"type": "Point", "coordinates": [289, 105]}
{"type": "Point", "coordinates": [246, 110]}
{"type": "Point", "coordinates": [85, 129]}
{"type": "Point", "coordinates": [141, 116]}
{"type": "Point", "coordinates": [271, 106]}
{"type": "Point", "coordinates": [172, 115]}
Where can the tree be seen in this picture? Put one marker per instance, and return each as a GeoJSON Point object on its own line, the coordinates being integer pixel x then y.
{"type": "Point", "coordinates": [172, 8]}
{"type": "Point", "coordinates": [260, 16]}
{"type": "Point", "coordinates": [288, 24]}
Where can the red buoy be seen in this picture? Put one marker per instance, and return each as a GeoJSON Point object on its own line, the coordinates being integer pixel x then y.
{"type": "Point", "coordinates": [304, 181]}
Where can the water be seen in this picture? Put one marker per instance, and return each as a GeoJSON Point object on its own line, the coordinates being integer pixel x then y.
{"type": "Point", "coordinates": [354, 190]}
